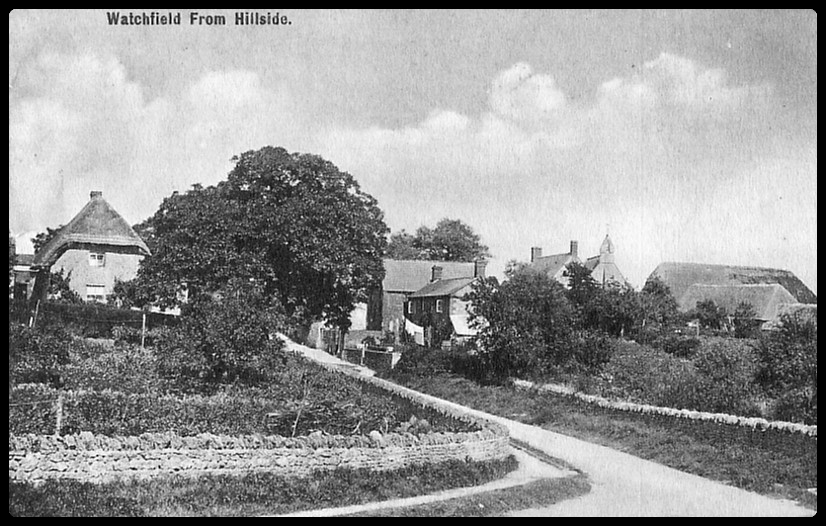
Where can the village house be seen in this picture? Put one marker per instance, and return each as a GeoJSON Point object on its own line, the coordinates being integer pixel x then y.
{"type": "Point", "coordinates": [386, 304]}
{"type": "Point", "coordinates": [603, 266]}
{"type": "Point", "coordinates": [97, 248]}
{"type": "Point", "coordinates": [439, 309]}
{"type": "Point", "coordinates": [769, 291]}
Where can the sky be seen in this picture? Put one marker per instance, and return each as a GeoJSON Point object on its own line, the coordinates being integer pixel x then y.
{"type": "Point", "coordinates": [686, 135]}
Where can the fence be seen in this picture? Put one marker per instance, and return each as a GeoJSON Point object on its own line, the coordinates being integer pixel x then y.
{"type": "Point", "coordinates": [376, 358]}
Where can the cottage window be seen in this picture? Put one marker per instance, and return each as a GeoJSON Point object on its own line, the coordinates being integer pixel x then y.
{"type": "Point", "coordinates": [96, 293]}
{"type": "Point", "coordinates": [97, 259]}
{"type": "Point", "coordinates": [410, 307]}
{"type": "Point", "coordinates": [440, 306]}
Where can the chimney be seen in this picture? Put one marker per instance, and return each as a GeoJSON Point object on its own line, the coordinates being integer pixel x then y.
{"type": "Point", "coordinates": [95, 194]}
{"type": "Point", "coordinates": [479, 267]}
{"type": "Point", "coordinates": [536, 253]}
{"type": "Point", "coordinates": [436, 273]}
{"type": "Point", "coordinates": [574, 248]}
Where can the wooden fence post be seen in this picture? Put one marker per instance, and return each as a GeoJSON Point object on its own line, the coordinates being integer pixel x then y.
{"type": "Point", "coordinates": [143, 331]}
{"type": "Point", "coordinates": [59, 413]}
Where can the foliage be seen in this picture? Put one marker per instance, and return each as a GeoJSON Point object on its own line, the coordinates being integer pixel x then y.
{"type": "Point", "coordinates": [248, 495]}
{"type": "Point", "coordinates": [223, 340]}
{"type": "Point", "coordinates": [525, 325]}
{"type": "Point", "coordinates": [744, 322]}
{"type": "Point", "coordinates": [96, 320]}
{"type": "Point", "coordinates": [60, 288]}
{"type": "Point", "coordinates": [788, 365]}
{"type": "Point", "coordinates": [32, 409]}
{"type": "Point", "coordinates": [678, 345]}
{"type": "Point", "coordinates": [726, 370]}
{"type": "Point", "coordinates": [124, 367]}
{"type": "Point", "coordinates": [710, 315]}
{"type": "Point", "coordinates": [42, 238]}
{"type": "Point", "coordinates": [450, 240]}
{"type": "Point", "coordinates": [293, 223]}
{"type": "Point", "coordinates": [658, 306]}
{"type": "Point", "coordinates": [37, 356]}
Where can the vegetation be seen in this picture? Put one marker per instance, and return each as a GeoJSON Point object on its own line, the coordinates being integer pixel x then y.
{"type": "Point", "coordinates": [450, 240]}
{"type": "Point", "coordinates": [294, 224]}
{"type": "Point", "coordinates": [538, 494]}
{"type": "Point", "coordinates": [253, 494]}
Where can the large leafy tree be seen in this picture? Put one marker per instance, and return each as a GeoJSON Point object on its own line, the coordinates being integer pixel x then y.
{"type": "Point", "coordinates": [39, 241]}
{"type": "Point", "coordinates": [450, 240]}
{"type": "Point", "coordinates": [293, 223]}
{"type": "Point", "coordinates": [525, 323]}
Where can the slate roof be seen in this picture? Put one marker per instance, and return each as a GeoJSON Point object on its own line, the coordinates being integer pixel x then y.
{"type": "Point", "coordinates": [411, 275]}
{"type": "Point", "coordinates": [680, 276]}
{"type": "Point", "coordinates": [552, 264]}
{"type": "Point", "coordinates": [766, 299]}
{"type": "Point", "coordinates": [443, 287]}
{"type": "Point", "coordinates": [97, 223]}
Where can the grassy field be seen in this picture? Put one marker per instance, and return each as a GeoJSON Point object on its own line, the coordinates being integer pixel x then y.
{"type": "Point", "coordinates": [744, 461]}
{"type": "Point", "coordinates": [254, 494]}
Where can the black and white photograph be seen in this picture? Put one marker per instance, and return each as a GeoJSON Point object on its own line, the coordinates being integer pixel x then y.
{"type": "Point", "coordinates": [412, 263]}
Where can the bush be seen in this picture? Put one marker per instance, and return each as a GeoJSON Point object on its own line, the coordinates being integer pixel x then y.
{"type": "Point", "coordinates": [126, 368]}
{"type": "Point", "coordinates": [37, 356]}
{"type": "Point", "coordinates": [679, 346]}
{"type": "Point", "coordinates": [221, 342]}
{"type": "Point", "coordinates": [799, 405]}
{"type": "Point", "coordinates": [592, 350]}
{"type": "Point", "coordinates": [32, 409]}
{"type": "Point", "coordinates": [727, 369]}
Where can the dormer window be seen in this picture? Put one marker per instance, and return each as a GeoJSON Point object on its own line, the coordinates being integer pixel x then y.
{"type": "Point", "coordinates": [97, 259]}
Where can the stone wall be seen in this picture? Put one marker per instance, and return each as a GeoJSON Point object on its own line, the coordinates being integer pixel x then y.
{"type": "Point", "coordinates": [96, 458]}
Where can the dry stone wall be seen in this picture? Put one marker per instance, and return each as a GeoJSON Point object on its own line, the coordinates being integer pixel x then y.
{"type": "Point", "coordinates": [97, 458]}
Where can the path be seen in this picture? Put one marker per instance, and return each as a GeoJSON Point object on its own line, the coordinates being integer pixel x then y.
{"type": "Point", "coordinates": [624, 485]}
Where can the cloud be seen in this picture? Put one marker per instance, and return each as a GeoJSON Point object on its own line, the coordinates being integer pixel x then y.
{"type": "Point", "coordinates": [520, 95]}
{"type": "Point", "coordinates": [645, 154]}
{"type": "Point", "coordinates": [78, 123]}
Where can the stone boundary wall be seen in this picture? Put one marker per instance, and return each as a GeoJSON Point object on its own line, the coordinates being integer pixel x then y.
{"type": "Point", "coordinates": [758, 424]}
{"type": "Point", "coordinates": [97, 458]}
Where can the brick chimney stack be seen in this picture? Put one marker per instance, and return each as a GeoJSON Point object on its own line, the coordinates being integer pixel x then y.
{"type": "Point", "coordinates": [95, 194]}
{"type": "Point", "coordinates": [536, 253]}
{"type": "Point", "coordinates": [574, 248]}
{"type": "Point", "coordinates": [436, 273]}
{"type": "Point", "coordinates": [479, 267]}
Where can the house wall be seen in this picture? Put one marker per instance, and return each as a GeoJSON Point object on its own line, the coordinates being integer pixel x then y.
{"type": "Point", "coordinates": [392, 309]}
{"type": "Point", "coordinates": [118, 265]}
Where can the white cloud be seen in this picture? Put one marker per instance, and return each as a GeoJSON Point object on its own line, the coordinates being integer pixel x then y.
{"type": "Point", "coordinates": [519, 94]}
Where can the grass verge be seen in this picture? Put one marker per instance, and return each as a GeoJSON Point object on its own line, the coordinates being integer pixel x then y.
{"type": "Point", "coordinates": [537, 494]}
{"type": "Point", "coordinates": [254, 494]}
{"type": "Point", "coordinates": [743, 460]}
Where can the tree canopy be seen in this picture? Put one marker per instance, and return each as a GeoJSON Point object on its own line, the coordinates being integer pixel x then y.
{"type": "Point", "coordinates": [39, 241]}
{"type": "Point", "coordinates": [292, 223]}
{"type": "Point", "coordinates": [450, 240]}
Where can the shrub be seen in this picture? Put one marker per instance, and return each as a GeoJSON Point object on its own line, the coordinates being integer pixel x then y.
{"type": "Point", "coordinates": [679, 346]}
{"type": "Point", "coordinates": [37, 356]}
{"type": "Point", "coordinates": [592, 350]}
{"type": "Point", "coordinates": [221, 342]}
{"type": "Point", "coordinates": [798, 405]}
{"type": "Point", "coordinates": [126, 368]}
{"type": "Point", "coordinates": [32, 409]}
{"type": "Point", "coordinates": [727, 368]}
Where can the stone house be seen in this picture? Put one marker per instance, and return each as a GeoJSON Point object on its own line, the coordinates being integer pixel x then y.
{"type": "Point", "coordinates": [440, 307]}
{"type": "Point", "coordinates": [386, 303]}
{"type": "Point", "coordinates": [96, 248]}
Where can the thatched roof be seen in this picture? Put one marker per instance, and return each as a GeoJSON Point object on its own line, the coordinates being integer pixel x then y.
{"type": "Point", "coordinates": [766, 300]}
{"type": "Point", "coordinates": [97, 224]}
{"type": "Point", "coordinates": [680, 276]}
